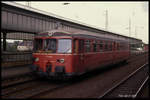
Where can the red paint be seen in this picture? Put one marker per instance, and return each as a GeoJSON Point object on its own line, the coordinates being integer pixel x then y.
{"type": "Point", "coordinates": [81, 62]}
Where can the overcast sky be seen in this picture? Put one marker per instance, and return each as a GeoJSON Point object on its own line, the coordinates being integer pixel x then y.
{"type": "Point", "coordinates": [93, 13]}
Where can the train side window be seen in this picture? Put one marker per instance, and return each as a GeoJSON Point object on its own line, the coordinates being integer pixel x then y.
{"type": "Point", "coordinates": [106, 46]}
{"type": "Point", "coordinates": [110, 46]}
{"type": "Point", "coordinates": [81, 46]}
{"type": "Point", "coordinates": [97, 46]}
{"type": "Point", "coordinates": [121, 46]}
{"type": "Point", "coordinates": [87, 46]}
{"type": "Point", "coordinates": [125, 46]}
{"type": "Point", "coordinates": [118, 48]}
{"type": "Point", "coordinates": [94, 46]}
{"type": "Point", "coordinates": [114, 45]}
{"type": "Point", "coordinates": [101, 46]}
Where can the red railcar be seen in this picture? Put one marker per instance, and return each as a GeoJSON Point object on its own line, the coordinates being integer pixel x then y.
{"type": "Point", "coordinates": [66, 54]}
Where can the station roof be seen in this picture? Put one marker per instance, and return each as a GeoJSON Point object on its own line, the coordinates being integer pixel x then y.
{"type": "Point", "coordinates": [63, 18]}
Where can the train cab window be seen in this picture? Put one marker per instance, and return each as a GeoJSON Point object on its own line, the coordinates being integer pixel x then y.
{"type": "Point", "coordinates": [50, 45]}
{"type": "Point", "coordinates": [64, 46]}
{"type": "Point", "coordinates": [87, 46]}
{"type": "Point", "coordinates": [38, 44]}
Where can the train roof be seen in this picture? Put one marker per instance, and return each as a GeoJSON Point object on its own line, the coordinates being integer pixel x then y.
{"type": "Point", "coordinates": [77, 34]}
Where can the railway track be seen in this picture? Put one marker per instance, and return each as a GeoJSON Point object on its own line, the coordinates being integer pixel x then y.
{"type": "Point", "coordinates": [144, 90]}
{"type": "Point", "coordinates": [31, 89]}
{"type": "Point", "coordinates": [94, 85]}
{"type": "Point", "coordinates": [16, 87]}
{"type": "Point", "coordinates": [126, 87]}
{"type": "Point", "coordinates": [8, 73]}
{"type": "Point", "coordinates": [17, 80]}
{"type": "Point", "coordinates": [39, 88]}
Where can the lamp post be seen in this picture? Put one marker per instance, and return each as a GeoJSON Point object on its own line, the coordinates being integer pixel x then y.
{"type": "Point", "coordinates": [106, 19]}
{"type": "Point", "coordinates": [129, 28]}
{"type": "Point", "coordinates": [28, 3]}
{"type": "Point", "coordinates": [105, 14]}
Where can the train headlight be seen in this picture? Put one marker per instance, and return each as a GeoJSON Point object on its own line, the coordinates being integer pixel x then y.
{"type": "Point", "coordinates": [36, 59]}
{"type": "Point", "coordinates": [61, 60]}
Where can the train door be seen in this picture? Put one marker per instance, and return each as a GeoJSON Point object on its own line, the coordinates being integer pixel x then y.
{"type": "Point", "coordinates": [79, 55]}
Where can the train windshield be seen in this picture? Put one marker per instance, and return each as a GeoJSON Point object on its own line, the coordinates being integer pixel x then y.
{"type": "Point", "coordinates": [64, 46]}
{"type": "Point", "coordinates": [50, 45]}
{"type": "Point", "coordinates": [38, 44]}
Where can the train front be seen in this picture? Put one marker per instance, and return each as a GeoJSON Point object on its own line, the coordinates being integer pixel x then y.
{"type": "Point", "coordinates": [52, 57]}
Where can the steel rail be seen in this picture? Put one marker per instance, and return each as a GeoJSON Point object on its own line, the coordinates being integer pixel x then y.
{"type": "Point", "coordinates": [121, 82]}
{"type": "Point", "coordinates": [141, 86]}
{"type": "Point", "coordinates": [17, 80]}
